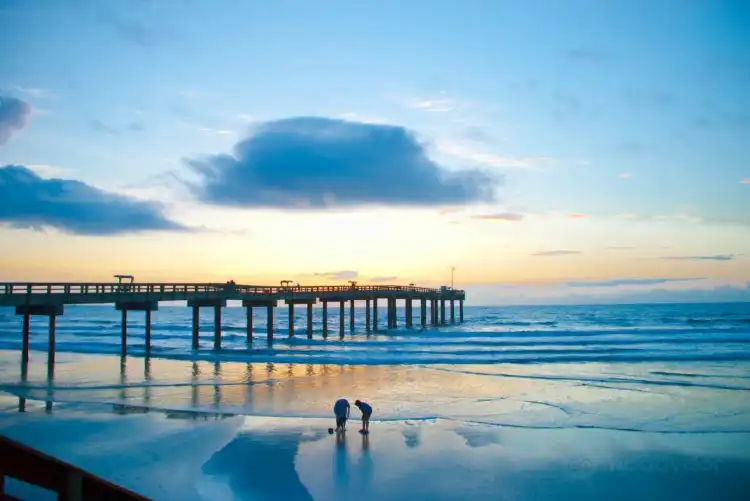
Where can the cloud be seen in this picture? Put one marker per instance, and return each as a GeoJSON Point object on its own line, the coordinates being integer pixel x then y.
{"type": "Point", "coordinates": [620, 247]}
{"type": "Point", "coordinates": [491, 159]}
{"type": "Point", "coordinates": [717, 257]}
{"type": "Point", "coordinates": [630, 281]}
{"type": "Point", "coordinates": [136, 126]}
{"type": "Point", "coordinates": [625, 175]}
{"type": "Point", "coordinates": [334, 275]}
{"type": "Point", "coordinates": [14, 116]}
{"type": "Point", "coordinates": [441, 105]}
{"type": "Point", "coordinates": [29, 201]}
{"type": "Point", "coordinates": [35, 92]}
{"type": "Point", "coordinates": [556, 253]}
{"type": "Point", "coordinates": [129, 29]}
{"type": "Point", "coordinates": [99, 126]}
{"type": "Point", "coordinates": [314, 163]}
{"type": "Point", "coordinates": [500, 216]}
{"type": "Point", "coordinates": [745, 181]}
{"type": "Point", "coordinates": [383, 279]}
{"type": "Point", "coordinates": [578, 216]}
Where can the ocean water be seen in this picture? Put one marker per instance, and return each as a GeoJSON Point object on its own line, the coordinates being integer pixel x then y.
{"type": "Point", "coordinates": [646, 401]}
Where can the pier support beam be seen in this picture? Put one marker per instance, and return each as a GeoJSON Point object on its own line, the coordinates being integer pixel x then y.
{"type": "Point", "coordinates": [394, 302]}
{"type": "Point", "coordinates": [124, 307]}
{"type": "Point", "coordinates": [325, 319]}
{"type": "Point", "coordinates": [341, 319]}
{"type": "Point", "coordinates": [217, 305]}
{"type": "Point", "coordinates": [461, 310]}
{"type": "Point", "coordinates": [249, 316]}
{"type": "Point", "coordinates": [442, 311]}
{"type": "Point", "coordinates": [309, 321]}
{"type": "Point", "coordinates": [375, 315]}
{"type": "Point", "coordinates": [367, 315]}
{"type": "Point", "coordinates": [270, 304]}
{"type": "Point", "coordinates": [269, 324]}
{"type": "Point", "coordinates": [423, 313]}
{"type": "Point", "coordinates": [389, 313]}
{"type": "Point", "coordinates": [453, 311]}
{"type": "Point", "coordinates": [196, 326]}
{"type": "Point", "coordinates": [48, 310]}
{"type": "Point", "coordinates": [351, 315]}
{"type": "Point", "coordinates": [124, 333]}
{"type": "Point", "coordinates": [217, 327]}
{"type": "Point", "coordinates": [409, 316]}
{"type": "Point", "coordinates": [291, 319]}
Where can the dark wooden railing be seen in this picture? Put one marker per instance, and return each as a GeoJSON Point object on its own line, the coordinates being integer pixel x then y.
{"type": "Point", "coordinates": [21, 288]}
{"type": "Point", "coordinates": [69, 482]}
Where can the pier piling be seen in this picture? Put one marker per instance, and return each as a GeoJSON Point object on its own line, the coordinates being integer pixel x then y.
{"type": "Point", "coordinates": [453, 311]}
{"type": "Point", "coordinates": [25, 345]}
{"type": "Point", "coordinates": [461, 311]}
{"type": "Point", "coordinates": [325, 319]}
{"type": "Point", "coordinates": [442, 312]}
{"type": "Point", "coordinates": [196, 326]}
{"type": "Point", "coordinates": [124, 333]}
{"type": "Point", "coordinates": [291, 319]}
{"type": "Point", "coordinates": [217, 327]}
{"type": "Point", "coordinates": [367, 315]}
{"type": "Point", "coordinates": [423, 313]}
{"type": "Point", "coordinates": [249, 315]}
{"type": "Point", "coordinates": [341, 319]}
{"type": "Point", "coordinates": [375, 315]}
{"type": "Point", "coordinates": [351, 315]}
{"type": "Point", "coordinates": [148, 331]}
{"type": "Point", "coordinates": [269, 326]}
{"type": "Point", "coordinates": [309, 320]}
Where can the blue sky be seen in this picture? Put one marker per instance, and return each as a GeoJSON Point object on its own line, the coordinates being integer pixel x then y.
{"type": "Point", "coordinates": [595, 124]}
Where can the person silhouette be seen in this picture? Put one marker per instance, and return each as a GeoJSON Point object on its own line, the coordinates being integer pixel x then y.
{"type": "Point", "coordinates": [366, 413]}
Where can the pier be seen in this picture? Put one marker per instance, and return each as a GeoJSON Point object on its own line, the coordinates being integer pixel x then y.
{"type": "Point", "coordinates": [50, 299]}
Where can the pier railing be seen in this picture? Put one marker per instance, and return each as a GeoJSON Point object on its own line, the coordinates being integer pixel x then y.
{"type": "Point", "coordinates": [20, 288]}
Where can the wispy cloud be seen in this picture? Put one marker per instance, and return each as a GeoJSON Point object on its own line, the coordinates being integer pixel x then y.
{"type": "Point", "coordinates": [625, 175]}
{"type": "Point", "coordinates": [99, 126]}
{"type": "Point", "coordinates": [716, 257]}
{"type": "Point", "coordinates": [493, 160]}
{"type": "Point", "coordinates": [620, 247]}
{"type": "Point", "coordinates": [14, 116]}
{"type": "Point", "coordinates": [745, 181]}
{"type": "Point", "coordinates": [629, 281]}
{"type": "Point", "coordinates": [34, 92]}
{"type": "Point", "coordinates": [500, 216]}
{"type": "Point", "coordinates": [578, 216]}
{"type": "Point", "coordinates": [383, 279]}
{"type": "Point", "coordinates": [334, 275]}
{"type": "Point", "coordinates": [440, 105]}
{"type": "Point", "coordinates": [558, 252]}
{"type": "Point", "coordinates": [218, 132]}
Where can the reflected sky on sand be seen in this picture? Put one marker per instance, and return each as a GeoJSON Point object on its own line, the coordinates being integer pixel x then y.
{"type": "Point", "coordinates": [248, 458]}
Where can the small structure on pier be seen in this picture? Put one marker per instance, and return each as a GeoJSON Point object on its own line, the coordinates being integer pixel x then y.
{"type": "Point", "coordinates": [49, 299]}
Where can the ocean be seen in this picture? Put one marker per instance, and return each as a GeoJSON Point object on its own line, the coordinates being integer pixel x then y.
{"type": "Point", "coordinates": [542, 402]}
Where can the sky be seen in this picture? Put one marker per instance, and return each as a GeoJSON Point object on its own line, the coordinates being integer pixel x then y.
{"type": "Point", "coordinates": [547, 151]}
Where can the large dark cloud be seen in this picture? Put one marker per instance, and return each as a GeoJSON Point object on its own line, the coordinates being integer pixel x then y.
{"type": "Point", "coordinates": [14, 115]}
{"type": "Point", "coordinates": [29, 201]}
{"type": "Point", "coordinates": [309, 163]}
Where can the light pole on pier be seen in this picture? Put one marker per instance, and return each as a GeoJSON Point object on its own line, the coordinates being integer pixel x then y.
{"type": "Point", "coordinates": [453, 268]}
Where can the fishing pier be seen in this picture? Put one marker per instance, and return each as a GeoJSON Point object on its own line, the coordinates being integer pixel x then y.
{"type": "Point", "coordinates": [50, 299]}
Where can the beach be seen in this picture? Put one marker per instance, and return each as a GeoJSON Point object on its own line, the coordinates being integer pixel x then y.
{"type": "Point", "coordinates": [622, 402]}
